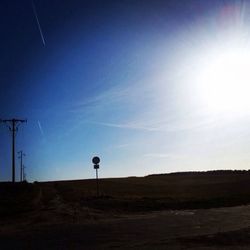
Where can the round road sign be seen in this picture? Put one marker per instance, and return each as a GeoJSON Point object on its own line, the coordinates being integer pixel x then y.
{"type": "Point", "coordinates": [96, 160]}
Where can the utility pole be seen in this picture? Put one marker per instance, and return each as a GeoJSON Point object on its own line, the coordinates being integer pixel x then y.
{"type": "Point", "coordinates": [24, 173]}
{"type": "Point", "coordinates": [13, 127]}
{"type": "Point", "coordinates": [21, 164]}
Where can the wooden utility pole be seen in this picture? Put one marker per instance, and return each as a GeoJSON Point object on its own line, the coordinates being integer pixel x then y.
{"type": "Point", "coordinates": [24, 174]}
{"type": "Point", "coordinates": [13, 127]}
{"type": "Point", "coordinates": [21, 164]}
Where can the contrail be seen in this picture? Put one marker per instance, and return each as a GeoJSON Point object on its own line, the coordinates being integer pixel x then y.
{"type": "Point", "coordinates": [38, 23]}
{"type": "Point", "coordinates": [40, 127]}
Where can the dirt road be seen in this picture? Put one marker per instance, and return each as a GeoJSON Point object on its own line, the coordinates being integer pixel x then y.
{"type": "Point", "coordinates": [221, 228]}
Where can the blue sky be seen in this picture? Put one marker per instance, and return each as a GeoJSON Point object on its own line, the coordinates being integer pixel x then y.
{"type": "Point", "coordinates": [118, 79]}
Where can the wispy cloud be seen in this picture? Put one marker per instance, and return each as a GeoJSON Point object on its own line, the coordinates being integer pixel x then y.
{"type": "Point", "coordinates": [113, 96]}
{"type": "Point", "coordinates": [168, 156]}
{"type": "Point", "coordinates": [163, 125]}
{"type": "Point", "coordinates": [122, 145]}
{"type": "Point", "coordinates": [156, 104]}
{"type": "Point", "coordinates": [157, 155]}
{"type": "Point", "coordinates": [126, 126]}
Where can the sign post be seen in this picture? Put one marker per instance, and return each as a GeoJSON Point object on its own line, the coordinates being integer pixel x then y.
{"type": "Point", "coordinates": [96, 161]}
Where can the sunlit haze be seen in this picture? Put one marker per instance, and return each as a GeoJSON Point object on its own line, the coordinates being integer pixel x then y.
{"type": "Point", "coordinates": [223, 79]}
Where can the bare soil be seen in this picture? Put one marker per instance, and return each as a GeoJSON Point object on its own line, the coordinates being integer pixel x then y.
{"type": "Point", "coordinates": [178, 211]}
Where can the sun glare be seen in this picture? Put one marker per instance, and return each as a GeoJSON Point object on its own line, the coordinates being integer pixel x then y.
{"type": "Point", "coordinates": [223, 81]}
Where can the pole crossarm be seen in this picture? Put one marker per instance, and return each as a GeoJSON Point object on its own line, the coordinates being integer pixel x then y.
{"type": "Point", "coordinates": [13, 120]}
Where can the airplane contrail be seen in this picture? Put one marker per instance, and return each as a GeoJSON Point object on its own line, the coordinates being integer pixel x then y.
{"type": "Point", "coordinates": [38, 23]}
{"type": "Point", "coordinates": [40, 127]}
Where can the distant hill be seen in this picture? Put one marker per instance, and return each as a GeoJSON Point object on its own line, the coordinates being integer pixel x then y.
{"type": "Point", "coordinates": [209, 172]}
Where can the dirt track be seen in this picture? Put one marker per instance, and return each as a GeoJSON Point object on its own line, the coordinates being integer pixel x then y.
{"type": "Point", "coordinates": [133, 213]}
{"type": "Point", "coordinates": [221, 228]}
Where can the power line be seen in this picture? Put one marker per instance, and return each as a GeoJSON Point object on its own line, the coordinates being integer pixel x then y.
{"type": "Point", "coordinates": [13, 125]}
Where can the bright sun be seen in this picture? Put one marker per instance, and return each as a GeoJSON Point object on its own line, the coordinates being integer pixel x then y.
{"type": "Point", "coordinates": [223, 81]}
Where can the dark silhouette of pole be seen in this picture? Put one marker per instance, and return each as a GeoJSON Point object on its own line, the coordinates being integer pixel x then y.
{"type": "Point", "coordinates": [13, 127]}
{"type": "Point", "coordinates": [96, 161]}
{"type": "Point", "coordinates": [13, 151]}
{"type": "Point", "coordinates": [24, 173]}
{"type": "Point", "coordinates": [21, 164]}
{"type": "Point", "coordinates": [97, 182]}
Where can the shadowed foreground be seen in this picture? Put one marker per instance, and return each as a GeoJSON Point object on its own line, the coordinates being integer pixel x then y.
{"type": "Point", "coordinates": [177, 211]}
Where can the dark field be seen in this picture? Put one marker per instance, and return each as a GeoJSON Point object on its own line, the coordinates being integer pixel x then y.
{"type": "Point", "coordinates": [207, 210]}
